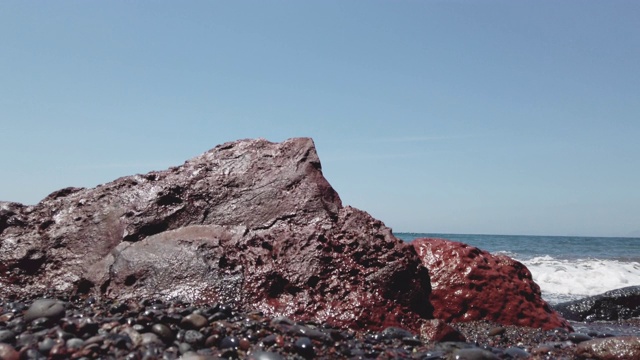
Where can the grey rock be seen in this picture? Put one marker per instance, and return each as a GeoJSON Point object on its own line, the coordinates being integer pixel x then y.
{"type": "Point", "coordinates": [45, 308]}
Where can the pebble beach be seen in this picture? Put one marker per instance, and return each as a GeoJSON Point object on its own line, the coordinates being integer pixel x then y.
{"type": "Point", "coordinates": [88, 328]}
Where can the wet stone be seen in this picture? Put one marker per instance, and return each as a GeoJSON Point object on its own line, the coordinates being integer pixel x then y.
{"type": "Point", "coordinates": [7, 336]}
{"type": "Point", "coordinates": [517, 353]}
{"type": "Point", "coordinates": [193, 337]}
{"type": "Point", "coordinates": [194, 321]}
{"type": "Point", "coordinates": [7, 352]}
{"type": "Point", "coordinates": [48, 308]}
{"type": "Point", "coordinates": [495, 331]}
{"type": "Point", "coordinates": [163, 331]}
{"type": "Point", "coordinates": [304, 347]}
{"type": "Point", "coordinates": [230, 342]}
{"type": "Point", "coordinates": [577, 338]}
{"type": "Point", "coordinates": [395, 333]}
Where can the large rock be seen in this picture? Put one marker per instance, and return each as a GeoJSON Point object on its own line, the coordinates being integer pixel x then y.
{"type": "Point", "coordinates": [250, 223]}
{"type": "Point", "coordinates": [471, 284]}
{"type": "Point", "coordinates": [619, 304]}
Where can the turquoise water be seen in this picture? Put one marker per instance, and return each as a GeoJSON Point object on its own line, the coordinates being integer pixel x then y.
{"type": "Point", "coordinates": [565, 267]}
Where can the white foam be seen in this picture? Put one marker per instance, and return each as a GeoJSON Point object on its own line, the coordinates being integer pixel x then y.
{"type": "Point", "coordinates": [563, 280]}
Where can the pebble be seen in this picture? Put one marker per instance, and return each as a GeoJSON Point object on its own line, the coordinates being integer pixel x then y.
{"type": "Point", "coordinates": [304, 347]}
{"type": "Point", "coordinates": [193, 337]}
{"type": "Point", "coordinates": [194, 321]}
{"type": "Point", "coordinates": [499, 330]}
{"type": "Point", "coordinates": [95, 328]}
{"type": "Point", "coordinates": [517, 353]}
{"type": "Point", "coordinates": [578, 337]}
{"type": "Point", "coordinates": [45, 308]}
{"type": "Point", "coordinates": [7, 352]}
{"type": "Point", "coordinates": [7, 336]}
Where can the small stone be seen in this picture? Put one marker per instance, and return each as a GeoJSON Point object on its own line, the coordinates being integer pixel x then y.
{"type": "Point", "coordinates": [577, 338]}
{"type": "Point", "coordinates": [163, 331]}
{"type": "Point", "coordinates": [304, 347]}
{"type": "Point", "coordinates": [517, 353]}
{"type": "Point", "coordinates": [47, 308]}
{"type": "Point", "coordinates": [193, 337]}
{"type": "Point", "coordinates": [194, 321]}
{"type": "Point", "coordinates": [7, 352]}
{"type": "Point", "coordinates": [150, 338]}
{"type": "Point", "coordinates": [229, 342]}
{"type": "Point", "coordinates": [7, 336]}
{"type": "Point", "coordinates": [45, 345]}
{"type": "Point", "coordinates": [74, 344]}
{"type": "Point", "coordinates": [395, 333]}
{"type": "Point", "coordinates": [495, 331]}
{"type": "Point", "coordinates": [265, 355]}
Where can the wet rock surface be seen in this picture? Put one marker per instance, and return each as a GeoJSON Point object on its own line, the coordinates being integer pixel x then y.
{"type": "Point", "coordinates": [470, 284]}
{"type": "Point", "coordinates": [158, 329]}
{"type": "Point", "coordinates": [250, 223]}
{"type": "Point", "coordinates": [619, 304]}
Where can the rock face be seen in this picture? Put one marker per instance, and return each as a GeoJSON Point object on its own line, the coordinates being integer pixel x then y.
{"type": "Point", "coordinates": [250, 223]}
{"type": "Point", "coordinates": [619, 304]}
{"type": "Point", "coordinates": [470, 284]}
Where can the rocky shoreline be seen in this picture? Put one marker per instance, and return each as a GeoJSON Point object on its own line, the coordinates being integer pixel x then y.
{"type": "Point", "coordinates": [246, 251]}
{"type": "Point", "coordinates": [87, 328]}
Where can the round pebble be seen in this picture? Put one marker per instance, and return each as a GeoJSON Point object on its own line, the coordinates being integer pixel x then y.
{"type": "Point", "coordinates": [194, 321]}
{"type": "Point", "coordinates": [230, 342]}
{"type": "Point", "coordinates": [7, 352]}
{"type": "Point", "coordinates": [163, 331]}
{"type": "Point", "coordinates": [577, 338]}
{"type": "Point", "coordinates": [304, 347]}
{"type": "Point", "coordinates": [48, 308]}
{"type": "Point", "coordinates": [7, 336]}
{"type": "Point", "coordinates": [193, 337]}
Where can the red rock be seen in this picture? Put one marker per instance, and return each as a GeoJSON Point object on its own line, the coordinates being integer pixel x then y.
{"type": "Point", "coordinates": [250, 223]}
{"type": "Point", "coordinates": [471, 284]}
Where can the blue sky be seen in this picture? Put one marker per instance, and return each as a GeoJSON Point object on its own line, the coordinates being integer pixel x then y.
{"type": "Point", "coordinates": [494, 117]}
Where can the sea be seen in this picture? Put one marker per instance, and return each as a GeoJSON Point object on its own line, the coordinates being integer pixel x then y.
{"type": "Point", "coordinates": [565, 267]}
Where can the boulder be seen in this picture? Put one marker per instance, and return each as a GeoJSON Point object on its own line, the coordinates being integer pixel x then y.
{"type": "Point", "coordinates": [470, 284]}
{"type": "Point", "coordinates": [619, 304]}
{"type": "Point", "coordinates": [250, 223]}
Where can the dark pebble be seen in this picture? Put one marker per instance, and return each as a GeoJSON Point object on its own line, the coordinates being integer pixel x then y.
{"type": "Point", "coordinates": [163, 331]}
{"type": "Point", "coordinates": [304, 347]}
{"type": "Point", "coordinates": [395, 333]}
{"type": "Point", "coordinates": [194, 321]}
{"type": "Point", "coordinates": [577, 338]}
{"type": "Point", "coordinates": [7, 336]}
{"type": "Point", "coordinates": [517, 353]}
{"type": "Point", "coordinates": [230, 342]}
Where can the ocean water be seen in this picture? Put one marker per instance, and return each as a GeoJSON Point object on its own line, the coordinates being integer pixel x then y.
{"type": "Point", "coordinates": [565, 267]}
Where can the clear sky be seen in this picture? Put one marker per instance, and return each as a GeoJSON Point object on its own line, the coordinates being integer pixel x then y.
{"type": "Point", "coordinates": [493, 117]}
